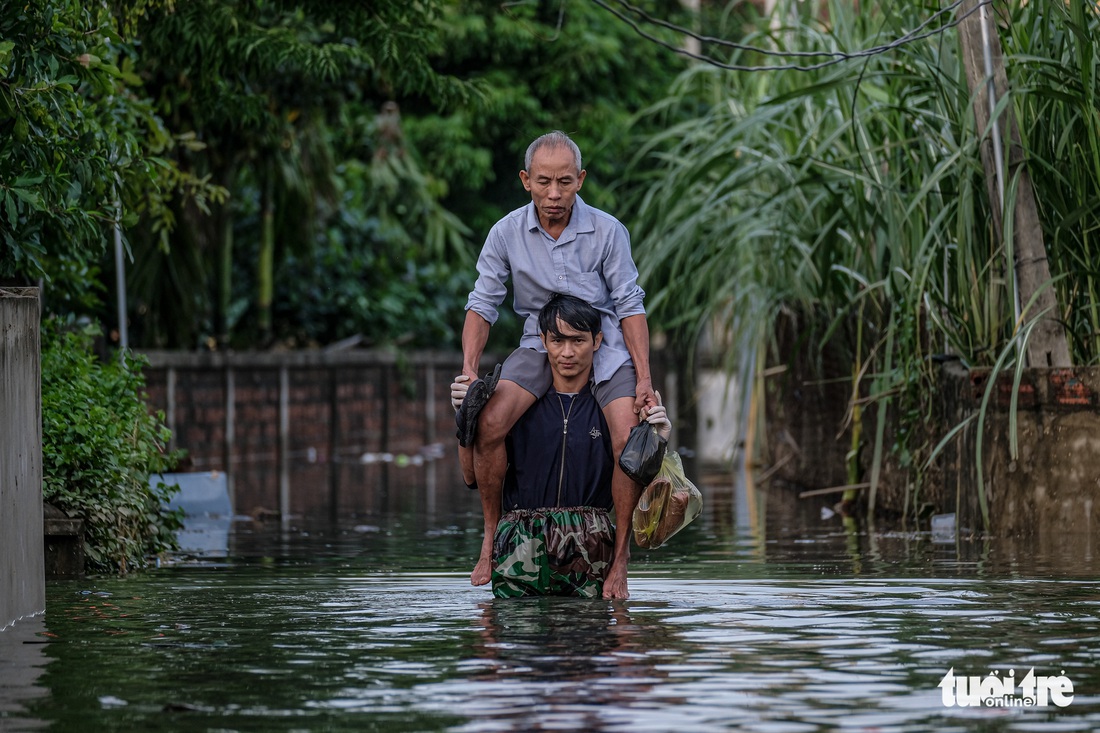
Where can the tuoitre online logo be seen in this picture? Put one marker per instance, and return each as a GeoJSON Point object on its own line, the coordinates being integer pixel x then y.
{"type": "Point", "coordinates": [996, 690]}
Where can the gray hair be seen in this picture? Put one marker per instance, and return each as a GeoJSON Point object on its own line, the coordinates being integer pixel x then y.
{"type": "Point", "coordinates": [555, 139]}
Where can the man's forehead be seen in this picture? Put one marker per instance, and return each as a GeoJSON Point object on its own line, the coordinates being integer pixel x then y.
{"type": "Point", "coordinates": [566, 330]}
{"type": "Point", "coordinates": [555, 161]}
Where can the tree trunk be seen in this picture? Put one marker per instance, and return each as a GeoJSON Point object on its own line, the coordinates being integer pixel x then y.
{"type": "Point", "coordinates": [266, 266]}
{"type": "Point", "coordinates": [225, 274]}
{"type": "Point", "coordinates": [1048, 345]}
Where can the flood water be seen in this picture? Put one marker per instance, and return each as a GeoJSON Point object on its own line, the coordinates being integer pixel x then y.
{"type": "Point", "coordinates": [764, 615]}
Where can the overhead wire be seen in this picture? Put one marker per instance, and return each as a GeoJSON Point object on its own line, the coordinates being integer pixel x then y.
{"type": "Point", "coordinates": [835, 57]}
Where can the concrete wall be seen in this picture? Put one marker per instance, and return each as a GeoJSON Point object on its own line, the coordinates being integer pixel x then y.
{"type": "Point", "coordinates": [1051, 488]}
{"type": "Point", "coordinates": [303, 432]}
{"type": "Point", "coordinates": [1048, 491]}
{"type": "Point", "coordinates": [22, 568]}
{"type": "Point", "coordinates": [720, 416]}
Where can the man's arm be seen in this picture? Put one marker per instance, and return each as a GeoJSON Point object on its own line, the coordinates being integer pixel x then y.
{"type": "Point", "coordinates": [621, 276]}
{"type": "Point", "coordinates": [636, 334]}
{"type": "Point", "coordinates": [493, 270]}
{"type": "Point", "coordinates": [475, 334]}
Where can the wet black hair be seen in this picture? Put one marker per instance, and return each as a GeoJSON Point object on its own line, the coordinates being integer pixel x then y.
{"type": "Point", "coordinates": [572, 311]}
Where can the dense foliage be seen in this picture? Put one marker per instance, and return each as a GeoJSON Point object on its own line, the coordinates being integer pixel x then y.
{"type": "Point", "coordinates": [77, 141]}
{"type": "Point", "coordinates": [279, 172]}
{"type": "Point", "coordinates": [377, 268]}
{"type": "Point", "coordinates": [1054, 54]}
{"type": "Point", "coordinates": [571, 66]}
{"type": "Point", "coordinates": [850, 198]}
{"type": "Point", "coordinates": [81, 149]}
{"type": "Point", "coordinates": [100, 445]}
{"type": "Point", "coordinates": [364, 168]}
{"type": "Point", "coordinates": [281, 98]}
{"type": "Point", "coordinates": [292, 171]}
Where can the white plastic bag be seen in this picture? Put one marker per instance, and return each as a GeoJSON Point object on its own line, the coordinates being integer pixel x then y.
{"type": "Point", "coordinates": [670, 503]}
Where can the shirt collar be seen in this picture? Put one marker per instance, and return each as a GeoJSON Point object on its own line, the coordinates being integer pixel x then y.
{"type": "Point", "coordinates": [581, 220]}
{"type": "Point", "coordinates": [584, 389]}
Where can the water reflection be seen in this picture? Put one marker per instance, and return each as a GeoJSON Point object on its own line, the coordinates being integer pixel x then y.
{"type": "Point", "coordinates": [760, 616]}
{"type": "Point", "coordinates": [557, 664]}
{"type": "Point", "coordinates": [22, 660]}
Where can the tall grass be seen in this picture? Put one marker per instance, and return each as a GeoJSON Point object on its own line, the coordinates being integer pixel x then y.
{"type": "Point", "coordinates": [856, 191]}
{"type": "Point", "coordinates": [1055, 54]}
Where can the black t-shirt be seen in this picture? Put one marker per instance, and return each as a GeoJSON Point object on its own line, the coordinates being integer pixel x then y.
{"type": "Point", "coordinates": [541, 474]}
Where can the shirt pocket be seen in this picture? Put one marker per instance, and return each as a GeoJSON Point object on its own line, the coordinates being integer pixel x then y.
{"type": "Point", "coordinates": [589, 287]}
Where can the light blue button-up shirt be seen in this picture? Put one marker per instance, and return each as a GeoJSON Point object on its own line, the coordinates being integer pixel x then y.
{"type": "Point", "coordinates": [591, 260]}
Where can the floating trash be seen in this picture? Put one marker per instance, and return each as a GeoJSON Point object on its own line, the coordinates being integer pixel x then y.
{"type": "Point", "coordinates": [943, 527]}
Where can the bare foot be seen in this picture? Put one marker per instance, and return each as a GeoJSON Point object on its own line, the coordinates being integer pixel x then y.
{"type": "Point", "coordinates": [483, 572]}
{"type": "Point", "coordinates": [614, 586]}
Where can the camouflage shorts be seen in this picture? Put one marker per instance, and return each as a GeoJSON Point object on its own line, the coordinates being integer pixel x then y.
{"type": "Point", "coordinates": [552, 552]}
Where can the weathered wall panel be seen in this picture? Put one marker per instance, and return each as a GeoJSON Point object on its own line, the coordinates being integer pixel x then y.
{"type": "Point", "coordinates": [1051, 486]}
{"type": "Point", "coordinates": [22, 568]}
{"type": "Point", "coordinates": [1047, 491]}
{"type": "Point", "coordinates": [357, 423]}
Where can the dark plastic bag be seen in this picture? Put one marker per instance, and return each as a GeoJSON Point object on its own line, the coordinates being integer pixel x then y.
{"type": "Point", "coordinates": [641, 457]}
{"type": "Point", "coordinates": [670, 503]}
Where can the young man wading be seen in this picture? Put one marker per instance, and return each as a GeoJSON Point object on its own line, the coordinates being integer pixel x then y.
{"type": "Point", "coordinates": [555, 536]}
{"type": "Point", "coordinates": [556, 243]}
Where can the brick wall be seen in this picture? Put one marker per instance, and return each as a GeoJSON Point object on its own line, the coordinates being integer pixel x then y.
{"type": "Point", "coordinates": [330, 429]}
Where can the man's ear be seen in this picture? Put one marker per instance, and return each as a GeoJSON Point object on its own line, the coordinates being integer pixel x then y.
{"type": "Point", "coordinates": [597, 341]}
{"type": "Point", "coordinates": [526, 179]}
{"type": "Point", "coordinates": [580, 178]}
{"type": "Point", "coordinates": [542, 338]}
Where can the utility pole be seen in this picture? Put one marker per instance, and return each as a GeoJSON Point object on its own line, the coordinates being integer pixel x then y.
{"type": "Point", "coordinates": [693, 45]}
{"type": "Point", "coordinates": [1003, 161]}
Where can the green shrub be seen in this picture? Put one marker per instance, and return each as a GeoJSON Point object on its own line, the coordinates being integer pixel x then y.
{"type": "Point", "coordinates": [100, 444]}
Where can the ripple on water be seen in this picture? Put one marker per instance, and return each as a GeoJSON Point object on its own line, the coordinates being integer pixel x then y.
{"type": "Point", "coordinates": [762, 647]}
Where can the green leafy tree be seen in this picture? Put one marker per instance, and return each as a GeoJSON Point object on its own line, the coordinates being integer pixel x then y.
{"type": "Point", "coordinates": [569, 65]}
{"type": "Point", "coordinates": [281, 104]}
{"type": "Point", "coordinates": [79, 144]}
{"type": "Point", "coordinates": [262, 86]}
{"type": "Point", "coordinates": [100, 445]}
{"type": "Point", "coordinates": [81, 151]}
{"type": "Point", "coordinates": [384, 262]}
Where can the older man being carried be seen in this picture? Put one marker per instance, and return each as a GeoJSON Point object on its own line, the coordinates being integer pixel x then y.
{"type": "Point", "coordinates": [557, 243]}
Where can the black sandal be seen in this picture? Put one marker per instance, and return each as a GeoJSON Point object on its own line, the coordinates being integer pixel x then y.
{"type": "Point", "coordinates": [476, 398]}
